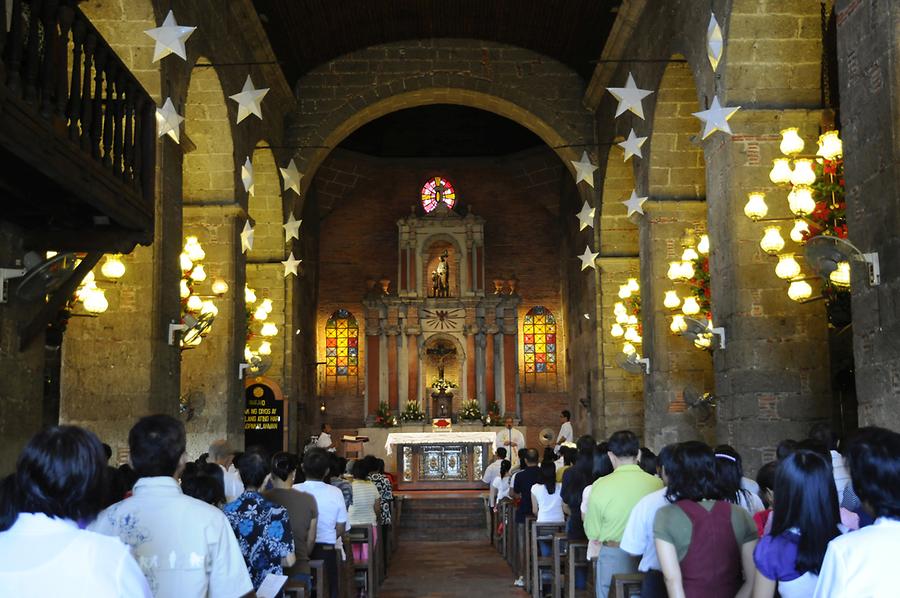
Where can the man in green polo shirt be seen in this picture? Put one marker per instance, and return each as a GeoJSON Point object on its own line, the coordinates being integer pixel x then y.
{"type": "Point", "coordinates": [607, 504]}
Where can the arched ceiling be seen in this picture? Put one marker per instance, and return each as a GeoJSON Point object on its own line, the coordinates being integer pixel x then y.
{"type": "Point", "coordinates": [307, 33]}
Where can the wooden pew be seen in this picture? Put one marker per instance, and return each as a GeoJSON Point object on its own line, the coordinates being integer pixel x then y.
{"type": "Point", "coordinates": [525, 560]}
{"type": "Point", "coordinates": [542, 532]}
{"type": "Point", "coordinates": [577, 557]}
{"type": "Point", "coordinates": [302, 589]}
{"type": "Point", "coordinates": [370, 567]}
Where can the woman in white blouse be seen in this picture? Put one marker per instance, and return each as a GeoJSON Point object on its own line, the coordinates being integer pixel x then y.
{"type": "Point", "coordinates": [500, 485]}
{"type": "Point", "coordinates": [546, 499]}
{"type": "Point", "coordinates": [365, 507]}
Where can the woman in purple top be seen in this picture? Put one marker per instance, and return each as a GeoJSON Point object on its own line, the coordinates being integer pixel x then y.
{"type": "Point", "coordinates": [805, 518]}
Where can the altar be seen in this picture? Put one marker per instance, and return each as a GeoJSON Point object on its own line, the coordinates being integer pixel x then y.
{"type": "Point", "coordinates": [441, 460]}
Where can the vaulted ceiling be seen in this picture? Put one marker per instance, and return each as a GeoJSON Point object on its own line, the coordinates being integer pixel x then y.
{"type": "Point", "coordinates": [307, 33]}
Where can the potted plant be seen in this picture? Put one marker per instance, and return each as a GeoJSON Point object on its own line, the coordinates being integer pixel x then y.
{"type": "Point", "coordinates": [470, 414]}
{"type": "Point", "coordinates": [384, 418]}
{"type": "Point", "coordinates": [412, 416]}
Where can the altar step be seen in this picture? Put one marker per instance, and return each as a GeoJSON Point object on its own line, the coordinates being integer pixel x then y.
{"type": "Point", "coordinates": [444, 518]}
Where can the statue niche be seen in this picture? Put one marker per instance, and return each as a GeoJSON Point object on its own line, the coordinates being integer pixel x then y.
{"type": "Point", "coordinates": [442, 269]}
{"type": "Point", "coordinates": [440, 277]}
{"type": "Point", "coordinates": [441, 356]}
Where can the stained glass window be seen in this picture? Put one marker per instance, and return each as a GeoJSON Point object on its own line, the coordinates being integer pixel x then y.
{"type": "Point", "coordinates": [539, 342]}
{"type": "Point", "coordinates": [341, 348]}
{"type": "Point", "coordinates": [438, 190]}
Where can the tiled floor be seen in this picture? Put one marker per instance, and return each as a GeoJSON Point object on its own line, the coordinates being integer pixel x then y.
{"type": "Point", "coordinates": [448, 570]}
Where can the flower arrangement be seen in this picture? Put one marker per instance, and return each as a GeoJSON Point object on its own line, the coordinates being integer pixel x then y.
{"type": "Point", "coordinates": [492, 417]}
{"type": "Point", "coordinates": [471, 411]}
{"type": "Point", "coordinates": [412, 412]}
{"type": "Point", "coordinates": [384, 418]}
{"type": "Point", "coordinates": [699, 285]}
{"type": "Point", "coordinates": [442, 384]}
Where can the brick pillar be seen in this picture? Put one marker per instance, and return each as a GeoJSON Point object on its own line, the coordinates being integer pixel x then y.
{"type": "Point", "coordinates": [773, 379]}
{"type": "Point", "coordinates": [675, 364]}
{"type": "Point", "coordinates": [373, 370]}
{"type": "Point", "coordinates": [392, 373]}
{"type": "Point", "coordinates": [412, 356]}
{"type": "Point", "coordinates": [470, 367]}
{"type": "Point", "coordinates": [870, 92]}
{"type": "Point", "coordinates": [490, 391]}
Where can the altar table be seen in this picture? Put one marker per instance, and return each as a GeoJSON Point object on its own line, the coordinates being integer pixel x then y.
{"type": "Point", "coordinates": [441, 460]}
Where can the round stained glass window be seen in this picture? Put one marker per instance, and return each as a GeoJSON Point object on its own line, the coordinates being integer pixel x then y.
{"type": "Point", "coordinates": [438, 190]}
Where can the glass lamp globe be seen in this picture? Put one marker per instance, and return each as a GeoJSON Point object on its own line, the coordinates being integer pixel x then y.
{"type": "Point", "coordinates": [260, 314]}
{"type": "Point", "coordinates": [185, 262]}
{"type": "Point", "coordinates": [689, 254]}
{"type": "Point", "coordinates": [249, 295]}
{"type": "Point", "coordinates": [113, 268]}
{"type": "Point", "coordinates": [781, 171]}
{"type": "Point", "coordinates": [269, 329]}
{"type": "Point", "coordinates": [671, 300]}
{"type": "Point", "coordinates": [198, 274]}
{"type": "Point", "coordinates": [628, 349]}
{"type": "Point", "coordinates": [703, 341]}
{"type": "Point", "coordinates": [624, 291]}
{"type": "Point", "coordinates": [208, 307]}
{"type": "Point", "coordinates": [183, 289]}
{"type": "Point", "coordinates": [678, 324]}
{"type": "Point", "coordinates": [622, 318]}
{"type": "Point", "coordinates": [799, 290]}
{"type": "Point", "coordinates": [803, 172]}
{"type": "Point", "coordinates": [687, 270]}
{"type": "Point", "coordinates": [617, 331]}
{"type": "Point", "coordinates": [219, 287]}
{"type": "Point", "coordinates": [248, 354]}
{"type": "Point", "coordinates": [830, 145]}
{"type": "Point", "coordinates": [841, 276]}
{"type": "Point", "coordinates": [800, 227]}
{"type": "Point", "coordinates": [772, 242]}
{"type": "Point", "coordinates": [791, 142]}
{"type": "Point", "coordinates": [690, 307]}
{"type": "Point", "coordinates": [631, 334]}
{"type": "Point", "coordinates": [633, 285]}
{"type": "Point", "coordinates": [95, 301]}
{"type": "Point", "coordinates": [193, 249]}
{"type": "Point", "coordinates": [787, 267]}
{"type": "Point", "coordinates": [619, 308]}
{"type": "Point", "coordinates": [800, 200]}
{"type": "Point", "coordinates": [674, 272]}
{"type": "Point", "coordinates": [266, 305]}
{"type": "Point", "coordinates": [265, 348]}
{"type": "Point", "coordinates": [703, 245]}
{"type": "Point", "coordinates": [194, 303]}
{"type": "Point", "coordinates": [756, 207]}
{"type": "Point", "coordinates": [632, 320]}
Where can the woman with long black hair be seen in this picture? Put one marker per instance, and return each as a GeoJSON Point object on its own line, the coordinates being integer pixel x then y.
{"type": "Point", "coordinates": [805, 518]}
{"type": "Point", "coordinates": [730, 479]}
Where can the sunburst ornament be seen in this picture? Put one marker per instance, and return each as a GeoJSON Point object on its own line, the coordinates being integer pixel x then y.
{"type": "Point", "coordinates": [249, 99]}
{"type": "Point", "coordinates": [584, 169]}
{"type": "Point", "coordinates": [291, 228]}
{"type": "Point", "coordinates": [169, 38]}
{"type": "Point", "coordinates": [715, 118]}
{"type": "Point", "coordinates": [588, 258]}
{"type": "Point", "coordinates": [247, 177]}
{"type": "Point", "coordinates": [629, 97]}
{"type": "Point", "coordinates": [168, 121]}
{"type": "Point", "coordinates": [632, 145]}
{"type": "Point", "coordinates": [290, 265]}
{"type": "Point", "coordinates": [247, 238]}
{"type": "Point", "coordinates": [586, 216]}
{"type": "Point", "coordinates": [290, 178]}
{"type": "Point", "coordinates": [635, 204]}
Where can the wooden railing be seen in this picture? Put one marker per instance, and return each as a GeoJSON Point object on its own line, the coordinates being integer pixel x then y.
{"type": "Point", "coordinates": [55, 61]}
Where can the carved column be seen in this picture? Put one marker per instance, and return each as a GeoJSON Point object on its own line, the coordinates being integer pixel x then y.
{"type": "Point", "coordinates": [373, 359]}
{"type": "Point", "coordinates": [402, 360]}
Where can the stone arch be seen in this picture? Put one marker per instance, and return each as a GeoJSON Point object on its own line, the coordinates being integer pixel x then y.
{"type": "Point", "coordinates": [676, 165]}
{"type": "Point", "coordinates": [209, 167]}
{"type": "Point", "coordinates": [266, 207]}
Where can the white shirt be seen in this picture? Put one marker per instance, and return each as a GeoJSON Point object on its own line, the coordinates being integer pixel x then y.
{"type": "Point", "coordinates": [501, 486]}
{"type": "Point", "coordinates": [862, 564]}
{"type": "Point", "coordinates": [841, 473]}
{"type": "Point", "coordinates": [492, 472]}
{"type": "Point", "coordinates": [565, 433]}
{"type": "Point", "coordinates": [550, 506]}
{"type": "Point", "coordinates": [638, 537]}
{"type": "Point", "coordinates": [234, 487]}
{"type": "Point", "coordinates": [45, 556]}
{"type": "Point", "coordinates": [325, 441]}
{"type": "Point", "coordinates": [750, 502]}
{"type": "Point", "coordinates": [332, 510]}
{"type": "Point", "coordinates": [749, 485]}
{"type": "Point", "coordinates": [512, 450]}
{"type": "Point", "coordinates": [185, 547]}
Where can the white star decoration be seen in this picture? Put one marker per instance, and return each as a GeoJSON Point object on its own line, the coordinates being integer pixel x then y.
{"type": "Point", "coordinates": [247, 238]}
{"type": "Point", "coordinates": [168, 121]}
{"type": "Point", "coordinates": [629, 97]}
{"type": "Point", "coordinates": [290, 265]}
{"type": "Point", "coordinates": [716, 118]}
{"type": "Point", "coordinates": [290, 178]}
{"type": "Point", "coordinates": [169, 38]}
{"type": "Point", "coordinates": [584, 169]}
{"type": "Point", "coordinates": [588, 258]}
{"type": "Point", "coordinates": [635, 204]}
{"type": "Point", "coordinates": [585, 216]}
{"type": "Point", "coordinates": [715, 43]}
{"type": "Point", "coordinates": [247, 177]}
{"type": "Point", "coordinates": [249, 99]}
{"type": "Point", "coordinates": [632, 145]}
{"type": "Point", "coordinates": [291, 228]}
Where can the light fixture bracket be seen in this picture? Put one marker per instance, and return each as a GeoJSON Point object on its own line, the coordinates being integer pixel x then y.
{"type": "Point", "coordinates": [7, 274]}
{"type": "Point", "coordinates": [173, 328]}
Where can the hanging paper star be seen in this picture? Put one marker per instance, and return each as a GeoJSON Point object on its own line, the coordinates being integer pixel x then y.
{"type": "Point", "coordinates": [291, 228]}
{"type": "Point", "coordinates": [291, 178]}
{"type": "Point", "coordinates": [168, 121]}
{"type": "Point", "coordinates": [169, 38]}
{"type": "Point", "coordinates": [715, 42]}
{"type": "Point", "coordinates": [584, 169]}
{"type": "Point", "coordinates": [290, 265]}
{"type": "Point", "coordinates": [247, 238]}
{"type": "Point", "coordinates": [629, 97]}
{"type": "Point", "coordinates": [247, 177]}
{"type": "Point", "coordinates": [588, 258]}
{"type": "Point", "coordinates": [585, 216]}
{"type": "Point", "coordinates": [632, 145]}
{"type": "Point", "coordinates": [249, 99]}
{"type": "Point", "coordinates": [716, 118]}
{"type": "Point", "coordinates": [634, 203]}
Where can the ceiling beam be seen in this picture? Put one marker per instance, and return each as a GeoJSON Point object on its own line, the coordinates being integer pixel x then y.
{"type": "Point", "coordinates": [616, 44]}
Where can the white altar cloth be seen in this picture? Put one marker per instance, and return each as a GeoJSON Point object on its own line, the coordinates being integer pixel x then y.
{"type": "Point", "coordinates": [438, 438]}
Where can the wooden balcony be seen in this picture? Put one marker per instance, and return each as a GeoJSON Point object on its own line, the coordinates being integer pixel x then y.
{"type": "Point", "coordinates": [77, 133]}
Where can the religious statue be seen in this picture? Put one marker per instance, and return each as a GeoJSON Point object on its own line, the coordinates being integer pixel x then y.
{"type": "Point", "coordinates": [442, 395]}
{"type": "Point", "coordinates": [440, 278]}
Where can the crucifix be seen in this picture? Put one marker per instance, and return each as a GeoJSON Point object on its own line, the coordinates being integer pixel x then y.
{"type": "Point", "coordinates": [439, 354]}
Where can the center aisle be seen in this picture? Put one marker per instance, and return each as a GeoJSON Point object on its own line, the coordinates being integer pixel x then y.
{"type": "Point", "coordinates": [448, 570]}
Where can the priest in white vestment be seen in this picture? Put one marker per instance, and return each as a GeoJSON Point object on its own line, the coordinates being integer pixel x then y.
{"type": "Point", "coordinates": [512, 440]}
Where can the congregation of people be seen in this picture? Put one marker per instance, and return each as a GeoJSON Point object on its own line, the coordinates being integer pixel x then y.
{"type": "Point", "coordinates": [161, 526]}
{"type": "Point", "coordinates": [821, 520]}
